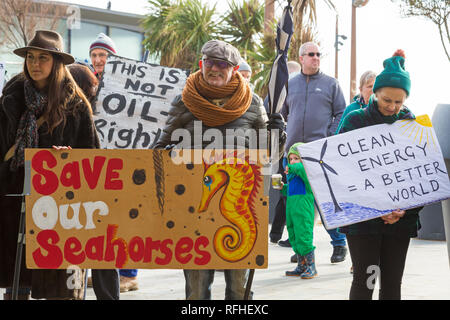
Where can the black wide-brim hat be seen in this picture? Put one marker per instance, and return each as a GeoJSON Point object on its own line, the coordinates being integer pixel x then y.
{"type": "Point", "coordinates": [49, 41]}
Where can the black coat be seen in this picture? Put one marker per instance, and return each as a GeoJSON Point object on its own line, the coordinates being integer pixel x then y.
{"type": "Point", "coordinates": [78, 132]}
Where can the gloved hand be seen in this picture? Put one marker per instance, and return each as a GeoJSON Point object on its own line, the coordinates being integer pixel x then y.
{"type": "Point", "coordinates": [170, 146]}
{"type": "Point", "coordinates": [276, 121]}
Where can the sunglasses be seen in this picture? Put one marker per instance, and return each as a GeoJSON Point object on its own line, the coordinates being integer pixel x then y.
{"type": "Point", "coordinates": [220, 64]}
{"type": "Point", "coordinates": [311, 54]}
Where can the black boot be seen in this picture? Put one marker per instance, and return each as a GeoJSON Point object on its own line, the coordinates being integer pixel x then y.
{"type": "Point", "coordinates": [284, 243]}
{"type": "Point", "coordinates": [339, 253]}
{"type": "Point", "coordinates": [294, 258]}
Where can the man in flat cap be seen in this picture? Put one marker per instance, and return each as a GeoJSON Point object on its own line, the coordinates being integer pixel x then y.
{"type": "Point", "coordinates": [217, 96]}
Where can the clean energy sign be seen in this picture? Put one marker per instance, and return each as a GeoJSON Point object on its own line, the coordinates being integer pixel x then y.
{"type": "Point", "coordinates": [369, 172]}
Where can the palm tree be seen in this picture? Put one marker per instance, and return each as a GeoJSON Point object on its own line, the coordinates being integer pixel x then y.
{"type": "Point", "coordinates": [304, 9]}
{"type": "Point", "coordinates": [264, 57]}
{"type": "Point", "coordinates": [177, 31]}
{"type": "Point", "coordinates": [269, 15]}
{"type": "Point", "coordinates": [242, 23]}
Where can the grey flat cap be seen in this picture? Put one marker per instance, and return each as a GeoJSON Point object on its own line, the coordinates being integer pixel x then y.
{"type": "Point", "coordinates": [221, 50]}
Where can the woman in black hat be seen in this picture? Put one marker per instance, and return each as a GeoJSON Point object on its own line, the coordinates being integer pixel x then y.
{"type": "Point", "coordinates": [42, 107]}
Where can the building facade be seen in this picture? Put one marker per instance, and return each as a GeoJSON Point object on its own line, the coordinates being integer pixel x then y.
{"type": "Point", "coordinates": [80, 28]}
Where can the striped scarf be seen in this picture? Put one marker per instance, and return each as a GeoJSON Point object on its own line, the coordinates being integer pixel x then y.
{"type": "Point", "coordinates": [27, 130]}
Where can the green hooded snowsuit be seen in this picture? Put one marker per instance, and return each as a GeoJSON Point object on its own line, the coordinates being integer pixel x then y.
{"type": "Point", "coordinates": [299, 207]}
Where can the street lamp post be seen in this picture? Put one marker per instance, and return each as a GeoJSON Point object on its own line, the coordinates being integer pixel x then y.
{"type": "Point", "coordinates": [336, 46]}
{"type": "Point", "coordinates": [355, 4]}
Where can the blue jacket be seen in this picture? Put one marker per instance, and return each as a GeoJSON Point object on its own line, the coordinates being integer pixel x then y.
{"type": "Point", "coordinates": [313, 108]}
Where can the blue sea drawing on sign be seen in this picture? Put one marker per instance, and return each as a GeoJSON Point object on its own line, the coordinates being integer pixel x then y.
{"type": "Point", "coordinates": [351, 213]}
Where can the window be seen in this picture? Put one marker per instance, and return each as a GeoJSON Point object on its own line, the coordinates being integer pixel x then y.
{"type": "Point", "coordinates": [81, 39]}
{"type": "Point", "coordinates": [128, 43]}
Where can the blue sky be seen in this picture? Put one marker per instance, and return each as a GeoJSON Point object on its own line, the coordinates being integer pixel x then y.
{"type": "Point", "coordinates": [380, 31]}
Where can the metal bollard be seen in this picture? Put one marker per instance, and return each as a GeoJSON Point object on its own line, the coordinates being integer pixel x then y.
{"type": "Point", "coordinates": [441, 126]}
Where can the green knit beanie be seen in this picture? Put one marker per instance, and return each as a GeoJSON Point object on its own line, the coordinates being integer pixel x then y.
{"type": "Point", "coordinates": [293, 149]}
{"type": "Point", "coordinates": [394, 74]}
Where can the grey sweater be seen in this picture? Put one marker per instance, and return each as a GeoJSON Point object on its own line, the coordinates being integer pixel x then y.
{"type": "Point", "coordinates": [313, 108]}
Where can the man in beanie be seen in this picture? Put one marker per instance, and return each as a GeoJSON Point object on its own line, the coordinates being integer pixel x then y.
{"type": "Point", "coordinates": [382, 242]}
{"type": "Point", "coordinates": [313, 109]}
{"type": "Point", "coordinates": [99, 51]}
{"type": "Point", "coordinates": [245, 70]}
{"type": "Point", "coordinates": [217, 96]}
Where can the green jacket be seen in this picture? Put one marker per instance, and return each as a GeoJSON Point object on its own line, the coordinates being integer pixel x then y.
{"type": "Point", "coordinates": [299, 209]}
{"type": "Point", "coordinates": [358, 103]}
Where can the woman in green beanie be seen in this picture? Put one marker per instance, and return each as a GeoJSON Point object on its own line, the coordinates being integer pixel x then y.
{"type": "Point", "coordinates": [299, 215]}
{"type": "Point", "coordinates": [382, 242]}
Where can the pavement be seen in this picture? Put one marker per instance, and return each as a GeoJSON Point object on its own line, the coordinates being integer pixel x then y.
{"type": "Point", "coordinates": [426, 276]}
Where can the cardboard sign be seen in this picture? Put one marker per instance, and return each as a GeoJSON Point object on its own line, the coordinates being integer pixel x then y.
{"type": "Point", "coordinates": [366, 173]}
{"type": "Point", "coordinates": [133, 102]}
{"type": "Point", "coordinates": [2, 76]}
{"type": "Point", "coordinates": [136, 209]}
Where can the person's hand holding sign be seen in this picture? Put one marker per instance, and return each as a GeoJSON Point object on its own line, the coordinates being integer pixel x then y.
{"type": "Point", "coordinates": [393, 217]}
{"type": "Point", "coordinates": [62, 147]}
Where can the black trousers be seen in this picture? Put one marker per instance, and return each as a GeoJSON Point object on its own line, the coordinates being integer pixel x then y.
{"type": "Point", "coordinates": [106, 284]}
{"type": "Point", "coordinates": [279, 219]}
{"type": "Point", "coordinates": [381, 255]}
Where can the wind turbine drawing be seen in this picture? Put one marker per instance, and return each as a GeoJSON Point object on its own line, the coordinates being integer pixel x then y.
{"type": "Point", "coordinates": [324, 166]}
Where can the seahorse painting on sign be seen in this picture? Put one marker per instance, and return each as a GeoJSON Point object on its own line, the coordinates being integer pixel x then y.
{"type": "Point", "coordinates": [241, 182]}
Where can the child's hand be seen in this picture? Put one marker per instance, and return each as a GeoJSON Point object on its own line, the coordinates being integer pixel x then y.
{"type": "Point", "coordinates": [286, 171]}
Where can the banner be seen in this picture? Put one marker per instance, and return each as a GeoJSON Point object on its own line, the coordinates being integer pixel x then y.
{"type": "Point", "coordinates": [133, 102]}
{"type": "Point", "coordinates": [366, 173]}
{"type": "Point", "coordinates": [136, 209]}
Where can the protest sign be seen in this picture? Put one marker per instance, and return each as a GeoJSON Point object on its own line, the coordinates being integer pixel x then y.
{"type": "Point", "coordinates": [133, 102]}
{"type": "Point", "coordinates": [366, 173]}
{"type": "Point", "coordinates": [136, 209]}
{"type": "Point", "coordinates": [2, 76]}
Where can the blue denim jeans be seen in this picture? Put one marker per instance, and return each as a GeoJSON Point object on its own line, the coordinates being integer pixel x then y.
{"type": "Point", "coordinates": [199, 282]}
{"type": "Point", "coordinates": [337, 239]}
{"type": "Point", "coordinates": [129, 273]}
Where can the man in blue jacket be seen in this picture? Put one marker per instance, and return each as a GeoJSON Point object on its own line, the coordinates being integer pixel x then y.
{"type": "Point", "coordinates": [313, 109]}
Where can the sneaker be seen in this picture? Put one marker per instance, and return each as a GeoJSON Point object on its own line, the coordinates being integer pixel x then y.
{"type": "Point", "coordinates": [128, 284]}
{"type": "Point", "coordinates": [274, 240]}
{"type": "Point", "coordinates": [339, 253]}
{"type": "Point", "coordinates": [284, 243]}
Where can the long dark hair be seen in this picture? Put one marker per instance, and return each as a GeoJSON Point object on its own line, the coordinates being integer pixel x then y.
{"type": "Point", "coordinates": [85, 79]}
{"type": "Point", "coordinates": [63, 93]}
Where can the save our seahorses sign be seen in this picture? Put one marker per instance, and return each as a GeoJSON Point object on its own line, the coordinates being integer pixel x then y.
{"type": "Point", "coordinates": [141, 209]}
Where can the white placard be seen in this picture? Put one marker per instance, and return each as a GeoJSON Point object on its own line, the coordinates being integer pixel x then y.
{"type": "Point", "coordinates": [366, 173]}
{"type": "Point", "coordinates": [133, 102]}
{"type": "Point", "coordinates": [2, 76]}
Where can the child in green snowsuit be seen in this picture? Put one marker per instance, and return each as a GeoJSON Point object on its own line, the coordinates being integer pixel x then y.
{"type": "Point", "coordinates": [299, 215]}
